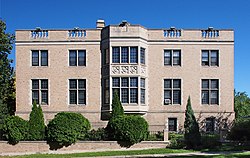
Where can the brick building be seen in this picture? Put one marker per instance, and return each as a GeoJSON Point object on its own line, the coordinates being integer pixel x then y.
{"type": "Point", "coordinates": [153, 70]}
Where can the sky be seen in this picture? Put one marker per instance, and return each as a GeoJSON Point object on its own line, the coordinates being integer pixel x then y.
{"type": "Point", "coordinates": [201, 14]}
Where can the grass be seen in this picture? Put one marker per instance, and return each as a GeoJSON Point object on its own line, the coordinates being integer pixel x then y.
{"type": "Point", "coordinates": [234, 155]}
{"type": "Point", "coordinates": [105, 153]}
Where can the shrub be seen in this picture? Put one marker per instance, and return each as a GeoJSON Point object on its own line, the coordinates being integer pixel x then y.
{"type": "Point", "coordinates": [97, 135]}
{"type": "Point", "coordinates": [210, 141]}
{"type": "Point", "coordinates": [67, 127]}
{"type": "Point", "coordinates": [15, 129]}
{"type": "Point", "coordinates": [240, 131]}
{"type": "Point", "coordinates": [36, 123]}
{"type": "Point", "coordinates": [192, 134]}
{"type": "Point", "coordinates": [176, 141]}
{"type": "Point", "coordinates": [156, 136]}
{"type": "Point", "coordinates": [129, 128]}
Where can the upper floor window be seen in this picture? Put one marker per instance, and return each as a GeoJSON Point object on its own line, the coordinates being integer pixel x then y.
{"type": "Point", "coordinates": [77, 58]}
{"type": "Point", "coordinates": [172, 91]}
{"type": "Point", "coordinates": [77, 91]}
{"type": "Point", "coordinates": [39, 57]}
{"type": "Point", "coordinates": [142, 55]}
{"type": "Point", "coordinates": [210, 91]}
{"type": "Point", "coordinates": [210, 58]}
{"type": "Point", "coordinates": [40, 91]}
{"type": "Point", "coordinates": [125, 55]}
{"type": "Point", "coordinates": [143, 90]}
{"type": "Point", "coordinates": [172, 57]}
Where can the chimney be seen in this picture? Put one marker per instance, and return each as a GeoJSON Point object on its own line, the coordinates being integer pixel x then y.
{"type": "Point", "coordinates": [100, 24]}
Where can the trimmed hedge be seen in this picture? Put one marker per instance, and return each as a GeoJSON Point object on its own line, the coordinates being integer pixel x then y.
{"type": "Point", "coordinates": [67, 127]}
{"type": "Point", "coordinates": [240, 131]}
{"type": "Point", "coordinates": [128, 128]}
{"type": "Point", "coordinates": [15, 129]}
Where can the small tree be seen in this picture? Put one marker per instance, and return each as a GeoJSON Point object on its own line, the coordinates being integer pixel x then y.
{"type": "Point", "coordinates": [117, 108]}
{"type": "Point", "coordinates": [36, 123]}
{"type": "Point", "coordinates": [192, 134]}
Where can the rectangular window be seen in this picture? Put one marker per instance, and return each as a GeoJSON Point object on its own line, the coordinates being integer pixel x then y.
{"type": "Point", "coordinates": [143, 90]}
{"type": "Point", "coordinates": [39, 58]}
{"type": "Point", "coordinates": [172, 124]}
{"type": "Point", "coordinates": [210, 58]}
{"type": "Point", "coordinates": [124, 54]}
{"type": "Point", "coordinates": [77, 91]}
{"type": "Point", "coordinates": [77, 57]}
{"type": "Point", "coordinates": [172, 57]}
{"type": "Point", "coordinates": [133, 55]}
{"type": "Point", "coordinates": [210, 124]}
{"type": "Point", "coordinates": [116, 55]}
{"type": "Point", "coordinates": [142, 55]}
{"type": "Point", "coordinates": [172, 91]}
{"type": "Point", "coordinates": [128, 86]}
{"type": "Point", "coordinates": [40, 92]}
{"type": "Point", "coordinates": [106, 91]}
{"type": "Point", "coordinates": [210, 91]}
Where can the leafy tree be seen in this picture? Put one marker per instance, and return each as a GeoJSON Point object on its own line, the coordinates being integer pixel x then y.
{"type": "Point", "coordinates": [117, 108]}
{"type": "Point", "coordinates": [241, 105]}
{"type": "Point", "coordinates": [36, 123]}
{"type": "Point", "coordinates": [192, 134]}
{"type": "Point", "coordinates": [7, 88]}
{"type": "Point", "coordinates": [3, 115]}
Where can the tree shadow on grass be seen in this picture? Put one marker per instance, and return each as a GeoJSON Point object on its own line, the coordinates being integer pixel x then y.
{"type": "Point", "coordinates": [125, 144]}
{"type": "Point", "coordinates": [56, 145]}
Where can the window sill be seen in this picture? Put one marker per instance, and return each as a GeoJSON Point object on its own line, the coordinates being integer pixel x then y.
{"type": "Point", "coordinates": [73, 105]}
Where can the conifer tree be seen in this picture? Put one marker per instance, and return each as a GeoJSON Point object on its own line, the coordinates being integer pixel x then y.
{"type": "Point", "coordinates": [117, 108]}
{"type": "Point", "coordinates": [36, 123]}
{"type": "Point", "coordinates": [192, 134]}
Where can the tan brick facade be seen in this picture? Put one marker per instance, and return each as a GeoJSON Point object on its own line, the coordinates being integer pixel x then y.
{"type": "Point", "coordinates": [190, 42]}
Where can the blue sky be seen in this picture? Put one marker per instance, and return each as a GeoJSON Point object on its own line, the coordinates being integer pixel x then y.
{"type": "Point", "coordinates": [235, 14]}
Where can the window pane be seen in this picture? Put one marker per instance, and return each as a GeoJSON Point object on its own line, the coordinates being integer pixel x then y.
{"type": "Point", "coordinates": [142, 55]}
{"type": "Point", "coordinates": [214, 97]}
{"type": "Point", "coordinates": [142, 82]}
{"type": "Point", "coordinates": [214, 84]}
{"type": "Point", "coordinates": [44, 58]}
{"type": "Point", "coordinates": [44, 84]}
{"type": "Point", "coordinates": [205, 84]}
{"type": "Point", "coordinates": [210, 122]}
{"type": "Point", "coordinates": [116, 55]}
{"type": "Point", "coordinates": [81, 84]}
{"type": "Point", "coordinates": [133, 82]}
{"type": "Point", "coordinates": [81, 58]}
{"type": "Point", "coordinates": [73, 97]}
{"type": "Point", "coordinates": [205, 97]}
{"type": "Point", "coordinates": [176, 97]}
{"type": "Point", "coordinates": [124, 54]}
{"type": "Point", "coordinates": [177, 83]}
{"type": "Point", "coordinates": [133, 95]}
{"type": "Point", "coordinates": [143, 96]}
{"type": "Point", "coordinates": [72, 84]}
{"type": "Point", "coordinates": [44, 97]}
{"type": "Point", "coordinates": [124, 95]}
{"type": "Point", "coordinates": [205, 57]}
{"type": "Point", "coordinates": [214, 58]}
{"type": "Point", "coordinates": [167, 57]}
{"type": "Point", "coordinates": [133, 55]}
{"type": "Point", "coordinates": [72, 58]}
{"type": "Point", "coordinates": [35, 84]}
{"type": "Point", "coordinates": [81, 97]}
{"type": "Point", "coordinates": [167, 94]}
{"type": "Point", "coordinates": [124, 82]}
{"type": "Point", "coordinates": [35, 58]}
{"type": "Point", "coordinates": [176, 57]}
{"type": "Point", "coordinates": [167, 83]}
{"type": "Point", "coordinates": [35, 96]}
{"type": "Point", "coordinates": [116, 82]}
{"type": "Point", "coordinates": [172, 124]}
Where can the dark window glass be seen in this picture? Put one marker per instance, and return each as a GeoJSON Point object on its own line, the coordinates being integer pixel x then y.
{"type": "Point", "coordinates": [205, 84]}
{"type": "Point", "coordinates": [124, 95]}
{"type": "Point", "coordinates": [44, 58]}
{"type": "Point", "coordinates": [143, 96]}
{"type": "Point", "coordinates": [210, 91]}
{"type": "Point", "coordinates": [142, 55]}
{"type": "Point", "coordinates": [214, 84]}
{"type": "Point", "coordinates": [133, 95]}
{"type": "Point", "coordinates": [214, 58]}
{"type": "Point", "coordinates": [143, 82]}
{"type": "Point", "coordinates": [81, 84]}
{"type": "Point", "coordinates": [81, 97]}
{"type": "Point", "coordinates": [124, 82]}
{"type": "Point", "coordinates": [167, 83]}
{"type": "Point", "coordinates": [133, 55]}
{"type": "Point", "coordinates": [210, 58]}
{"type": "Point", "coordinates": [167, 57]}
{"type": "Point", "coordinates": [44, 97]}
{"type": "Point", "coordinates": [35, 58]}
{"type": "Point", "coordinates": [133, 82]}
{"type": "Point", "coordinates": [172, 124]}
{"type": "Point", "coordinates": [35, 84]}
{"type": "Point", "coordinates": [81, 58]}
{"type": "Point", "coordinates": [205, 97]}
{"type": "Point", "coordinates": [176, 97]}
{"type": "Point", "coordinates": [176, 83]}
{"type": "Point", "coordinates": [35, 96]}
{"type": "Point", "coordinates": [205, 57]}
{"type": "Point", "coordinates": [167, 94]}
{"type": "Point", "coordinates": [72, 58]}
{"type": "Point", "coordinates": [44, 84]}
{"type": "Point", "coordinates": [116, 55]}
{"type": "Point", "coordinates": [72, 84]}
{"type": "Point", "coordinates": [124, 54]}
{"type": "Point", "coordinates": [176, 57]}
{"type": "Point", "coordinates": [172, 92]}
{"type": "Point", "coordinates": [214, 97]}
{"type": "Point", "coordinates": [73, 96]}
{"type": "Point", "coordinates": [210, 123]}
